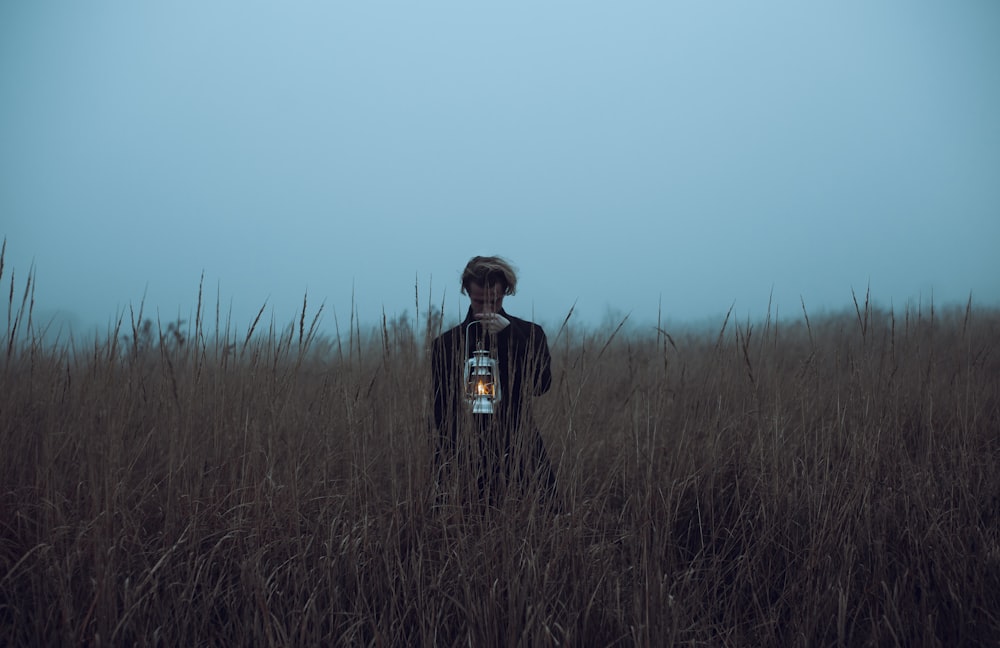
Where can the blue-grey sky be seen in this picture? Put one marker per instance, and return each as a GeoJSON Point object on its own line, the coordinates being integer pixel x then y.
{"type": "Point", "coordinates": [631, 157]}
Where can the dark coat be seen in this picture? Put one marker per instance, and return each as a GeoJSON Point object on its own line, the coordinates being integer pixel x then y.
{"type": "Point", "coordinates": [509, 440]}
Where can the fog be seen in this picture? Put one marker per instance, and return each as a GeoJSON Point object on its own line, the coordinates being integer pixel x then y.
{"type": "Point", "coordinates": [661, 160]}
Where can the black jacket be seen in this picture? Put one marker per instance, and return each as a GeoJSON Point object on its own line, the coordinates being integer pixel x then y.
{"type": "Point", "coordinates": [524, 362]}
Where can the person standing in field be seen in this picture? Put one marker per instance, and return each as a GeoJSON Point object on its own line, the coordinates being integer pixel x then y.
{"type": "Point", "coordinates": [503, 449]}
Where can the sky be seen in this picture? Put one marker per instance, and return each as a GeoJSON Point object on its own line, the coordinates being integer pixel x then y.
{"type": "Point", "coordinates": [665, 160]}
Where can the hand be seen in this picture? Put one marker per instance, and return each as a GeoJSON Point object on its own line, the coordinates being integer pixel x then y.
{"type": "Point", "coordinates": [494, 322]}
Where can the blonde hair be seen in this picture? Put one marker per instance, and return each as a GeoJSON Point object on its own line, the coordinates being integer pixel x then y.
{"type": "Point", "coordinates": [486, 270]}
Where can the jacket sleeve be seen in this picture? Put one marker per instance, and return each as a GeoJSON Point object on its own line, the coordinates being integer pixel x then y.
{"type": "Point", "coordinates": [439, 382]}
{"type": "Point", "coordinates": [541, 361]}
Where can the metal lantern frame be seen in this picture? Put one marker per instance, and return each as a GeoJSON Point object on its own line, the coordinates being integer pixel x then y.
{"type": "Point", "coordinates": [482, 377]}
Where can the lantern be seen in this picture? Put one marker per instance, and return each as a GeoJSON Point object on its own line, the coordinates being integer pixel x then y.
{"type": "Point", "coordinates": [482, 380]}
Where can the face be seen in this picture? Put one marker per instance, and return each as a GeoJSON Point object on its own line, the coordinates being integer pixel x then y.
{"type": "Point", "coordinates": [486, 299]}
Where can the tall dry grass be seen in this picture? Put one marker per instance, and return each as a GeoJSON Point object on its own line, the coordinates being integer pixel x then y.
{"type": "Point", "coordinates": [824, 482]}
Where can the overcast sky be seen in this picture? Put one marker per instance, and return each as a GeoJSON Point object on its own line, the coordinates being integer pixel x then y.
{"type": "Point", "coordinates": [629, 157]}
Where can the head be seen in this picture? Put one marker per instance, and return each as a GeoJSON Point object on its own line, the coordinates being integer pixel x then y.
{"type": "Point", "coordinates": [487, 280]}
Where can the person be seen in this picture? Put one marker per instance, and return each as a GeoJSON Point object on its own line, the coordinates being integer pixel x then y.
{"type": "Point", "coordinates": [504, 449]}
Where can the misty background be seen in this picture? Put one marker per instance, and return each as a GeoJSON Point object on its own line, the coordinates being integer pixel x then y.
{"type": "Point", "coordinates": [660, 159]}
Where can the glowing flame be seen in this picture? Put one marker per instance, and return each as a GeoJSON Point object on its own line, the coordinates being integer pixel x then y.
{"type": "Point", "coordinates": [482, 389]}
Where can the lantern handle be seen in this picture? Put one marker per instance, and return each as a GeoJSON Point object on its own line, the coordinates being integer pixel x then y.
{"type": "Point", "coordinates": [467, 337]}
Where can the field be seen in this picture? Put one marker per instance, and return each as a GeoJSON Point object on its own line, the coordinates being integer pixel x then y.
{"type": "Point", "coordinates": [832, 481]}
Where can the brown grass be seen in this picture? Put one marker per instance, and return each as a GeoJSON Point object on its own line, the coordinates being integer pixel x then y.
{"type": "Point", "coordinates": [824, 482]}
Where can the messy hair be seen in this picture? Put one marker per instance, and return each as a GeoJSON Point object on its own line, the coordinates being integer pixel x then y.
{"type": "Point", "coordinates": [486, 270]}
